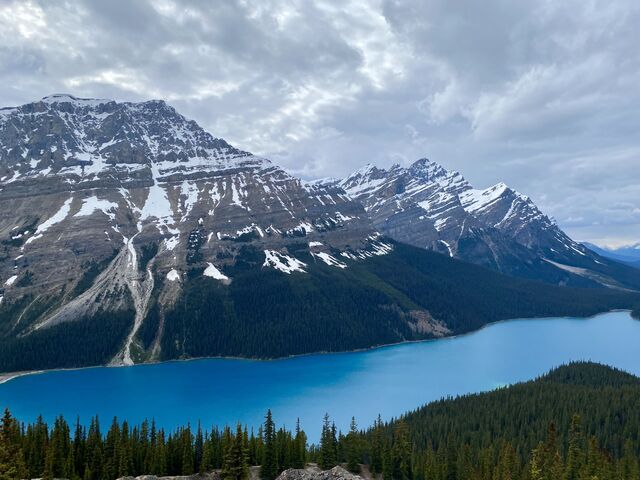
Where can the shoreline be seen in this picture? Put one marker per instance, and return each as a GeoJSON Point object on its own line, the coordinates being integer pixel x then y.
{"type": "Point", "coordinates": [7, 377]}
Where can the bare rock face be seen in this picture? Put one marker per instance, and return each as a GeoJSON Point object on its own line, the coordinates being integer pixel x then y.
{"type": "Point", "coordinates": [430, 207]}
{"type": "Point", "coordinates": [198, 476]}
{"type": "Point", "coordinates": [99, 200]}
{"type": "Point", "coordinates": [314, 473]}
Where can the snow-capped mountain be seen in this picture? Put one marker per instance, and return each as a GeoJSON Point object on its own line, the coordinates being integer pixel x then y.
{"type": "Point", "coordinates": [429, 206]}
{"type": "Point", "coordinates": [81, 178]}
{"type": "Point", "coordinates": [129, 234]}
{"type": "Point", "coordinates": [629, 254]}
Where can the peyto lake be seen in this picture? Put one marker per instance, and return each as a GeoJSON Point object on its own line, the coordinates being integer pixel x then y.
{"type": "Point", "coordinates": [388, 380]}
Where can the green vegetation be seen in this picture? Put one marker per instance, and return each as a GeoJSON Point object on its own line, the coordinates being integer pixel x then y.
{"type": "Point", "coordinates": [587, 414]}
{"type": "Point", "coordinates": [580, 421]}
{"type": "Point", "coordinates": [90, 341]}
{"type": "Point", "coordinates": [57, 452]}
{"type": "Point", "coordinates": [265, 313]}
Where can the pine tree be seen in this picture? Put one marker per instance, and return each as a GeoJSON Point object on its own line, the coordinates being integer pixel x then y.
{"type": "Point", "coordinates": [387, 463]}
{"type": "Point", "coordinates": [353, 448]}
{"type": "Point", "coordinates": [198, 449]}
{"type": "Point", "coordinates": [12, 463]}
{"type": "Point", "coordinates": [401, 452]}
{"type": "Point", "coordinates": [328, 456]}
{"type": "Point", "coordinates": [235, 466]}
{"type": "Point", "coordinates": [79, 449]}
{"type": "Point", "coordinates": [186, 452]}
{"type": "Point", "coordinates": [507, 467]}
{"type": "Point", "coordinates": [575, 452]}
{"type": "Point", "coordinates": [269, 469]}
{"type": "Point", "coordinates": [629, 466]}
{"type": "Point", "coordinates": [160, 456]}
{"type": "Point", "coordinates": [9, 469]}
{"type": "Point", "coordinates": [546, 463]}
{"type": "Point", "coordinates": [94, 452]}
{"type": "Point", "coordinates": [59, 452]}
{"type": "Point", "coordinates": [376, 447]}
{"type": "Point", "coordinates": [112, 451]}
{"type": "Point", "coordinates": [299, 454]}
{"type": "Point", "coordinates": [125, 460]}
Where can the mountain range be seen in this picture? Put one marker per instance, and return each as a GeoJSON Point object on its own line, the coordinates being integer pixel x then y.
{"type": "Point", "coordinates": [129, 234]}
{"type": "Point", "coordinates": [629, 254]}
{"type": "Point", "coordinates": [430, 207]}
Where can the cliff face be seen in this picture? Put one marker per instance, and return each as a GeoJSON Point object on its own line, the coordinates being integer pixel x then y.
{"type": "Point", "coordinates": [99, 199]}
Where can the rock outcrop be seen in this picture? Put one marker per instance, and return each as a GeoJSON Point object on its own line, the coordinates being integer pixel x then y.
{"type": "Point", "coordinates": [314, 473]}
{"type": "Point", "coordinates": [198, 476]}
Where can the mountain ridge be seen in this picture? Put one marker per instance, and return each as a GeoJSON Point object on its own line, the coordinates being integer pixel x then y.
{"type": "Point", "coordinates": [127, 225]}
{"type": "Point", "coordinates": [431, 207]}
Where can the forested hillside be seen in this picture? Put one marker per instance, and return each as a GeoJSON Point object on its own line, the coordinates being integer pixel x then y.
{"type": "Point", "coordinates": [580, 421]}
{"type": "Point", "coordinates": [374, 302]}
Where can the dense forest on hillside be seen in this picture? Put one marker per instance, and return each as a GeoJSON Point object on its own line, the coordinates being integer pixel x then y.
{"type": "Point", "coordinates": [580, 421]}
{"type": "Point", "coordinates": [87, 341]}
{"type": "Point", "coordinates": [265, 314]}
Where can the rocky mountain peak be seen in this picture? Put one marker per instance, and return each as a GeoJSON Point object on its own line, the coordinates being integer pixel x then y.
{"type": "Point", "coordinates": [104, 184]}
{"type": "Point", "coordinates": [430, 206]}
{"type": "Point", "coordinates": [81, 140]}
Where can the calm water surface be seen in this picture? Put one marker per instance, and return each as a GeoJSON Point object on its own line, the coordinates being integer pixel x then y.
{"type": "Point", "coordinates": [389, 380]}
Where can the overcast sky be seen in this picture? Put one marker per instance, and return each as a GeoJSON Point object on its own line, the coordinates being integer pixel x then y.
{"type": "Point", "coordinates": [543, 95]}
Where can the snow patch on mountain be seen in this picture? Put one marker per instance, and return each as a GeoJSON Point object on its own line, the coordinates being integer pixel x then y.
{"type": "Point", "coordinates": [329, 260]}
{"type": "Point", "coordinates": [157, 206]}
{"type": "Point", "coordinates": [213, 272]}
{"type": "Point", "coordinates": [93, 204]}
{"type": "Point", "coordinates": [57, 217]}
{"type": "Point", "coordinates": [282, 262]}
{"type": "Point", "coordinates": [173, 275]}
{"type": "Point", "coordinates": [476, 200]}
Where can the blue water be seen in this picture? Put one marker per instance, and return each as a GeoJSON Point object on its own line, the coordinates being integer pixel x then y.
{"type": "Point", "coordinates": [388, 380]}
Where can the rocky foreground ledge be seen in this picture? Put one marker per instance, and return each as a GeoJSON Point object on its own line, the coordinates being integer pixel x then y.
{"type": "Point", "coordinates": [314, 473]}
{"type": "Point", "coordinates": [310, 473]}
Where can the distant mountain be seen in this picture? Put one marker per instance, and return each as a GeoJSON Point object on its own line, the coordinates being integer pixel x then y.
{"type": "Point", "coordinates": [130, 234]}
{"type": "Point", "coordinates": [431, 207]}
{"type": "Point", "coordinates": [629, 254]}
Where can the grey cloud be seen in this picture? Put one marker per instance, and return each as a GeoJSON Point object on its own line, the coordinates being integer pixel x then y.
{"type": "Point", "coordinates": [541, 94]}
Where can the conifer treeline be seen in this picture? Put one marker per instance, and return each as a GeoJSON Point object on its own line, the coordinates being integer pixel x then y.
{"type": "Point", "coordinates": [37, 451]}
{"type": "Point", "coordinates": [523, 432]}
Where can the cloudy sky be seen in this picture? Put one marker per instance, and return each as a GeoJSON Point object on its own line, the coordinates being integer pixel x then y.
{"type": "Point", "coordinates": [544, 95]}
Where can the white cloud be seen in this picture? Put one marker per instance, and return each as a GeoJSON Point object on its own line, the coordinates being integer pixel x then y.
{"type": "Point", "coordinates": [541, 94]}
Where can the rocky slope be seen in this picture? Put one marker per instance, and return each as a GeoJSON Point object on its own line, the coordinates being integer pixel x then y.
{"type": "Point", "coordinates": [428, 206]}
{"type": "Point", "coordinates": [96, 195]}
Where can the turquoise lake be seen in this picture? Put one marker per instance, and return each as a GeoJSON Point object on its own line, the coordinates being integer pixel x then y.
{"type": "Point", "coordinates": [388, 380]}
